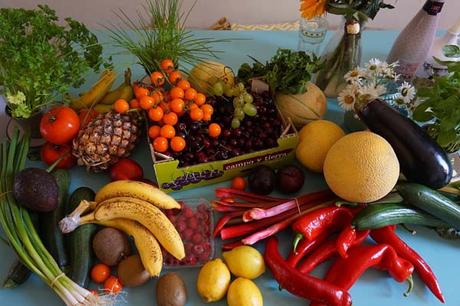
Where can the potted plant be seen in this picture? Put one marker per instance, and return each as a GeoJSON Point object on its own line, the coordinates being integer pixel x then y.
{"type": "Point", "coordinates": [41, 59]}
{"type": "Point", "coordinates": [344, 51]}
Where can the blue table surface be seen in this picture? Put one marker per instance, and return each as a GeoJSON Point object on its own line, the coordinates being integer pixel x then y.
{"type": "Point", "coordinates": [373, 289]}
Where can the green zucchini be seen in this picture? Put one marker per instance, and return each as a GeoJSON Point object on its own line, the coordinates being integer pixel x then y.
{"type": "Point", "coordinates": [432, 202]}
{"type": "Point", "coordinates": [79, 242]}
{"type": "Point", "coordinates": [17, 275]}
{"type": "Point", "coordinates": [50, 233]}
{"type": "Point", "coordinates": [380, 215]}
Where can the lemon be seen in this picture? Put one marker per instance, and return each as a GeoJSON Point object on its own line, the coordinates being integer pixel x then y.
{"type": "Point", "coordinates": [244, 292]}
{"type": "Point", "coordinates": [361, 167]}
{"type": "Point", "coordinates": [245, 261]}
{"type": "Point", "coordinates": [316, 138]}
{"type": "Point", "coordinates": [213, 280]}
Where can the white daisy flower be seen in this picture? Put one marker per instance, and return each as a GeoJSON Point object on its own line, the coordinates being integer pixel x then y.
{"type": "Point", "coordinates": [407, 92]}
{"type": "Point", "coordinates": [355, 75]}
{"type": "Point", "coordinates": [373, 65]}
{"type": "Point", "coordinates": [347, 98]}
{"type": "Point", "coordinates": [368, 93]}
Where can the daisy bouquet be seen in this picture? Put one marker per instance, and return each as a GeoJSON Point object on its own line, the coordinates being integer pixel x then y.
{"type": "Point", "coordinates": [375, 80]}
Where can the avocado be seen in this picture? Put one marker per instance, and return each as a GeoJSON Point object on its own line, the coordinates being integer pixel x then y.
{"type": "Point", "coordinates": [36, 189]}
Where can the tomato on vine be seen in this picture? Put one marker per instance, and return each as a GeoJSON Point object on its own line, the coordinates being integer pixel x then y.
{"type": "Point", "coordinates": [175, 76]}
{"type": "Point", "coordinates": [157, 78]}
{"type": "Point", "coordinates": [112, 285]}
{"type": "Point", "coordinates": [167, 65]}
{"type": "Point", "coordinates": [170, 118]}
{"type": "Point", "coordinates": [121, 106]}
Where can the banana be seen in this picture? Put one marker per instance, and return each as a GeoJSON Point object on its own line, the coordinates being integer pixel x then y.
{"type": "Point", "coordinates": [147, 215]}
{"type": "Point", "coordinates": [102, 108]}
{"type": "Point", "coordinates": [146, 244]}
{"type": "Point", "coordinates": [138, 190]}
{"type": "Point", "coordinates": [97, 92]}
{"type": "Point", "coordinates": [124, 91]}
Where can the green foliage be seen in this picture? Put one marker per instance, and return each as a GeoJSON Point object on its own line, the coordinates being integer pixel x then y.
{"type": "Point", "coordinates": [160, 34]}
{"type": "Point", "coordinates": [41, 59]}
{"type": "Point", "coordinates": [358, 9]}
{"type": "Point", "coordinates": [441, 104]}
{"type": "Point", "coordinates": [287, 72]}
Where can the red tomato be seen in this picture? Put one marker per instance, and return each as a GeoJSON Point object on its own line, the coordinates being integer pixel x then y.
{"type": "Point", "coordinates": [100, 273]}
{"type": "Point", "coordinates": [51, 153]}
{"type": "Point", "coordinates": [112, 285]}
{"type": "Point", "coordinates": [126, 169]}
{"type": "Point", "coordinates": [239, 183]}
{"type": "Point", "coordinates": [60, 125]}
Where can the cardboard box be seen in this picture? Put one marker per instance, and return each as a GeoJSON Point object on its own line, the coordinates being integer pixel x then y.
{"type": "Point", "coordinates": [171, 178]}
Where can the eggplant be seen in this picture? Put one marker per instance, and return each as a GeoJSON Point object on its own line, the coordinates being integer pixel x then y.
{"type": "Point", "coordinates": [421, 159]}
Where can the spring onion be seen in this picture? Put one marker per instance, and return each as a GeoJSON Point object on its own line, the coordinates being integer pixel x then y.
{"type": "Point", "coordinates": [22, 236]}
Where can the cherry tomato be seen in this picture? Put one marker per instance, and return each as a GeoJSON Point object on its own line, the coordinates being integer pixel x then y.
{"type": "Point", "coordinates": [112, 285]}
{"type": "Point", "coordinates": [157, 78]}
{"type": "Point", "coordinates": [175, 76]}
{"type": "Point", "coordinates": [167, 131]}
{"type": "Point", "coordinates": [156, 114]}
{"type": "Point", "coordinates": [126, 169]}
{"type": "Point", "coordinates": [190, 94]}
{"type": "Point", "coordinates": [60, 125]}
{"type": "Point", "coordinates": [239, 183]}
{"type": "Point", "coordinates": [134, 104]}
{"type": "Point", "coordinates": [207, 109]}
{"type": "Point", "coordinates": [50, 153]}
{"type": "Point", "coordinates": [178, 143]}
{"type": "Point", "coordinates": [176, 93]}
{"type": "Point", "coordinates": [196, 114]}
{"type": "Point", "coordinates": [160, 144]}
{"type": "Point", "coordinates": [170, 118]}
{"type": "Point", "coordinates": [86, 116]}
{"type": "Point", "coordinates": [177, 105]}
{"type": "Point", "coordinates": [167, 65]}
{"type": "Point", "coordinates": [100, 273]}
{"type": "Point", "coordinates": [184, 84]}
{"type": "Point", "coordinates": [200, 99]}
{"type": "Point", "coordinates": [146, 102]}
{"type": "Point", "coordinates": [121, 106]}
{"type": "Point", "coordinates": [154, 131]}
{"type": "Point", "coordinates": [139, 91]}
{"type": "Point", "coordinates": [214, 130]}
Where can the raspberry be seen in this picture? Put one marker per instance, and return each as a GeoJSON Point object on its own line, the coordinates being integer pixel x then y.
{"type": "Point", "coordinates": [197, 238]}
{"type": "Point", "coordinates": [188, 248]}
{"type": "Point", "coordinates": [192, 223]}
{"type": "Point", "coordinates": [188, 212]}
{"type": "Point", "coordinates": [181, 226]}
{"type": "Point", "coordinates": [187, 234]}
{"type": "Point", "coordinates": [198, 249]}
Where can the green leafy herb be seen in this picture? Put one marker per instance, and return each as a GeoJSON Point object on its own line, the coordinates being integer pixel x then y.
{"type": "Point", "coordinates": [441, 104]}
{"type": "Point", "coordinates": [40, 59]}
{"type": "Point", "coordinates": [287, 72]}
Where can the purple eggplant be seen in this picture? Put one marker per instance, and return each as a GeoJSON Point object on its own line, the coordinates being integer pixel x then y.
{"type": "Point", "coordinates": [421, 159]}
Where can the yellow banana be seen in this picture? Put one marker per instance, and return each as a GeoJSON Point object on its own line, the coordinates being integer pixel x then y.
{"type": "Point", "coordinates": [147, 215]}
{"type": "Point", "coordinates": [138, 190]}
{"type": "Point", "coordinates": [102, 108]}
{"type": "Point", "coordinates": [97, 92]}
{"type": "Point", "coordinates": [124, 91]}
{"type": "Point", "coordinates": [146, 244]}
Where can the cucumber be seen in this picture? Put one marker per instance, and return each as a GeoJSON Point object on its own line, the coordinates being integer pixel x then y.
{"type": "Point", "coordinates": [432, 202]}
{"type": "Point", "coordinates": [17, 275]}
{"type": "Point", "coordinates": [79, 242]}
{"type": "Point", "coordinates": [50, 233]}
{"type": "Point", "coordinates": [380, 215]}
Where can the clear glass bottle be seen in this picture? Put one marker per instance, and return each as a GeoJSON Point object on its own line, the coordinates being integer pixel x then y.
{"type": "Point", "coordinates": [311, 34]}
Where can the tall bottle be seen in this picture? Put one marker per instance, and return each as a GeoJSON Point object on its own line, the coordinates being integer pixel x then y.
{"type": "Point", "coordinates": [414, 42]}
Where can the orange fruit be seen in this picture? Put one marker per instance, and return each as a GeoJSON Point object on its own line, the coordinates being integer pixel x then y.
{"type": "Point", "coordinates": [156, 114]}
{"type": "Point", "coordinates": [170, 118]}
{"type": "Point", "coordinates": [146, 102]}
{"type": "Point", "coordinates": [178, 144]}
{"type": "Point", "coordinates": [190, 94]}
{"type": "Point", "coordinates": [184, 84]}
{"type": "Point", "coordinates": [154, 131]}
{"type": "Point", "coordinates": [157, 78]}
{"type": "Point", "coordinates": [121, 106]}
{"type": "Point", "coordinates": [167, 131]}
{"type": "Point", "coordinates": [160, 144]}
{"type": "Point", "coordinates": [177, 105]}
{"type": "Point", "coordinates": [214, 130]}
{"type": "Point", "coordinates": [200, 99]}
{"type": "Point", "coordinates": [196, 114]}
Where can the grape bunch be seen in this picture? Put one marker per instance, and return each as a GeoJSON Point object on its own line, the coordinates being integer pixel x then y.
{"type": "Point", "coordinates": [241, 99]}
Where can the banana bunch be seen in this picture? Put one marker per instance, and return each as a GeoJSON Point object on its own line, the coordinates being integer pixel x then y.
{"type": "Point", "coordinates": [133, 207]}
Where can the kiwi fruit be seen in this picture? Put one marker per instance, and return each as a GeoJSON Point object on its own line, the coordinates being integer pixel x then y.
{"type": "Point", "coordinates": [171, 290]}
{"type": "Point", "coordinates": [131, 272]}
{"type": "Point", "coordinates": [110, 246]}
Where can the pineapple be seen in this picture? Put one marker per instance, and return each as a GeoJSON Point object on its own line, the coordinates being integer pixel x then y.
{"type": "Point", "coordinates": [106, 139]}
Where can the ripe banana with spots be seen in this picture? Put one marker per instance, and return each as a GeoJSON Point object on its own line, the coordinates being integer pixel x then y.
{"type": "Point", "coordinates": [146, 214]}
{"type": "Point", "coordinates": [137, 190]}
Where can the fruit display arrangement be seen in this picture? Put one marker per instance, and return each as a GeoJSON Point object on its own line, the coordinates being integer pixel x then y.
{"type": "Point", "coordinates": [93, 237]}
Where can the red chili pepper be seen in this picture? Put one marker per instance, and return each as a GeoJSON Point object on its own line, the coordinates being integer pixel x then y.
{"type": "Point", "coordinates": [344, 272]}
{"type": "Point", "coordinates": [345, 240]}
{"type": "Point", "coordinates": [305, 286]}
{"type": "Point", "coordinates": [304, 248]}
{"type": "Point", "coordinates": [388, 236]}
{"type": "Point", "coordinates": [313, 224]}
{"type": "Point", "coordinates": [326, 251]}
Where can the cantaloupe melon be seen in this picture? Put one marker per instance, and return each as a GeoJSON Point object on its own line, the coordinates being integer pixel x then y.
{"type": "Point", "coordinates": [361, 167]}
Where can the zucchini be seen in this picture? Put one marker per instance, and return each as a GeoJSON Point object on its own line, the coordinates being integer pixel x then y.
{"type": "Point", "coordinates": [380, 215]}
{"type": "Point", "coordinates": [79, 241]}
{"type": "Point", "coordinates": [432, 202]}
{"type": "Point", "coordinates": [421, 159]}
{"type": "Point", "coordinates": [51, 235]}
{"type": "Point", "coordinates": [17, 275]}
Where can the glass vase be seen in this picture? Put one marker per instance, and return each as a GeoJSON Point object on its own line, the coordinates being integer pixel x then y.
{"type": "Point", "coordinates": [342, 54]}
{"type": "Point", "coordinates": [311, 34]}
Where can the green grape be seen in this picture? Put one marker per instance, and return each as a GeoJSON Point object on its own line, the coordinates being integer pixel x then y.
{"type": "Point", "coordinates": [238, 113]}
{"type": "Point", "coordinates": [238, 102]}
{"type": "Point", "coordinates": [235, 123]}
{"type": "Point", "coordinates": [250, 109]}
{"type": "Point", "coordinates": [229, 92]}
{"type": "Point", "coordinates": [241, 87]}
{"type": "Point", "coordinates": [218, 88]}
{"type": "Point", "coordinates": [247, 98]}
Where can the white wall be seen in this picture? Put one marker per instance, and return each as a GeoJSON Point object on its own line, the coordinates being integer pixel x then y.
{"type": "Point", "coordinates": [100, 12]}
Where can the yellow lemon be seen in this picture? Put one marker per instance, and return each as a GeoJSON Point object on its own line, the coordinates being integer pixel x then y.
{"type": "Point", "coordinates": [213, 280]}
{"type": "Point", "coordinates": [316, 138]}
{"type": "Point", "coordinates": [245, 261]}
{"type": "Point", "coordinates": [244, 292]}
{"type": "Point", "coordinates": [361, 167]}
